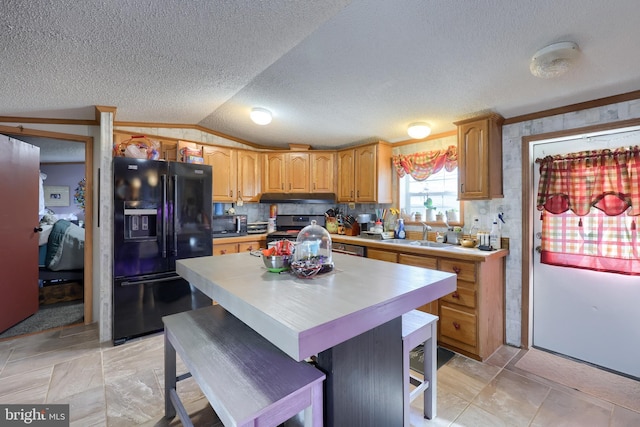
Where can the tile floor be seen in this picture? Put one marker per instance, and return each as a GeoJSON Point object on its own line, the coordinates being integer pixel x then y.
{"type": "Point", "coordinates": [123, 386]}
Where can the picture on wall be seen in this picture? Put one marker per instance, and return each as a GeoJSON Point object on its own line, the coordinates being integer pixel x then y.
{"type": "Point", "coordinates": [56, 195]}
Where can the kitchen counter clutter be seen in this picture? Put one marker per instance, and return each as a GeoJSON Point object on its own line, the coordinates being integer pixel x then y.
{"type": "Point", "coordinates": [471, 317]}
{"type": "Point", "coordinates": [453, 251]}
{"type": "Point", "coordinates": [351, 318]}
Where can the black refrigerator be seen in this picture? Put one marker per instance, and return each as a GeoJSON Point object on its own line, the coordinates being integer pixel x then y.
{"type": "Point", "coordinates": [162, 213]}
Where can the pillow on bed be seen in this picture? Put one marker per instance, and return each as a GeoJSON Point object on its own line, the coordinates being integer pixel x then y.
{"type": "Point", "coordinates": [70, 249]}
{"type": "Point", "coordinates": [43, 237]}
{"type": "Point", "coordinates": [55, 239]}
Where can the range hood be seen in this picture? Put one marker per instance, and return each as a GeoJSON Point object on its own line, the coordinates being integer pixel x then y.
{"type": "Point", "coordinates": [298, 198]}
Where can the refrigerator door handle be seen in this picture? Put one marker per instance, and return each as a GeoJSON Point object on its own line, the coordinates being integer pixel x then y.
{"type": "Point", "coordinates": [144, 282]}
{"type": "Point", "coordinates": [164, 216]}
{"type": "Point", "coordinates": [175, 215]}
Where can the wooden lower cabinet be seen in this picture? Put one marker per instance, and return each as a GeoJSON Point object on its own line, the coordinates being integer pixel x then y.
{"type": "Point", "coordinates": [237, 247]}
{"type": "Point", "coordinates": [248, 246]}
{"type": "Point", "coordinates": [382, 255]}
{"type": "Point", "coordinates": [426, 262]}
{"type": "Point", "coordinates": [225, 248]}
{"type": "Point", "coordinates": [472, 317]}
{"type": "Point", "coordinates": [458, 327]}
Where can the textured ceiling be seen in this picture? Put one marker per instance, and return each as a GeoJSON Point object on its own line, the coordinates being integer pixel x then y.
{"type": "Point", "coordinates": [333, 72]}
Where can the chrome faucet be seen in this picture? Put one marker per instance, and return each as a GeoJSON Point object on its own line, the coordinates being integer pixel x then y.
{"type": "Point", "coordinates": [425, 229]}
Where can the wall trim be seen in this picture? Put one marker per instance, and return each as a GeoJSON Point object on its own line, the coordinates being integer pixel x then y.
{"type": "Point", "coordinates": [629, 96]}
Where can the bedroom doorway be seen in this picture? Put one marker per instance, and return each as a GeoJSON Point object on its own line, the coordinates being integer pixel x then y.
{"type": "Point", "coordinates": [40, 138]}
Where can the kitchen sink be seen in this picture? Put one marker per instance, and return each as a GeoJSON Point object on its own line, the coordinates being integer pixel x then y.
{"type": "Point", "coordinates": [426, 243]}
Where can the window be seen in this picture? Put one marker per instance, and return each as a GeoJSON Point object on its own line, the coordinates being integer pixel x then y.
{"type": "Point", "coordinates": [590, 200]}
{"type": "Point", "coordinates": [441, 188]}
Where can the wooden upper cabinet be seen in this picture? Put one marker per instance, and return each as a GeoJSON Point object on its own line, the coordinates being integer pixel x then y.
{"type": "Point", "coordinates": [286, 173]}
{"type": "Point", "coordinates": [322, 172]}
{"type": "Point", "coordinates": [169, 150]}
{"type": "Point", "coordinates": [249, 168]}
{"type": "Point", "coordinates": [368, 177]}
{"type": "Point", "coordinates": [480, 158]}
{"type": "Point", "coordinates": [297, 173]}
{"type": "Point", "coordinates": [274, 173]}
{"type": "Point", "coordinates": [365, 173]}
{"type": "Point", "coordinates": [223, 164]}
{"type": "Point", "coordinates": [346, 176]}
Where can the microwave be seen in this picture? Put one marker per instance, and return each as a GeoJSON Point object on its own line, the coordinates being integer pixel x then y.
{"type": "Point", "coordinates": [228, 225]}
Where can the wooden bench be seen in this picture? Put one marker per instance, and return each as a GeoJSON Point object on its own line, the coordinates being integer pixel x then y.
{"type": "Point", "coordinates": [420, 328]}
{"type": "Point", "coordinates": [247, 380]}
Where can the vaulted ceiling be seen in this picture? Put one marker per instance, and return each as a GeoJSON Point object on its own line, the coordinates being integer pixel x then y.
{"type": "Point", "coordinates": [332, 72]}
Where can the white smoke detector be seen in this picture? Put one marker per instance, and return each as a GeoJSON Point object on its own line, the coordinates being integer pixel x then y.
{"type": "Point", "coordinates": [553, 60]}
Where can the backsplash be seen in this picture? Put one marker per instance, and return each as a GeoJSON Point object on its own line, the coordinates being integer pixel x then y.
{"type": "Point", "coordinates": [260, 211]}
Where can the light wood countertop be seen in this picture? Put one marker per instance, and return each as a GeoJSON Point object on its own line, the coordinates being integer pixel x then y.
{"type": "Point", "coordinates": [306, 316]}
{"type": "Point", "coordinates": [449, 251]}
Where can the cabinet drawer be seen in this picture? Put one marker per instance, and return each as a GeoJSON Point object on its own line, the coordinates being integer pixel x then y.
{"type": "Point", "coordinates": [464, 269]}
{"type": "Point", "coordinates": [418, 261]}
{"type": "Point", "coordinates": [225, 248]}
{"type": "Point", "coordinates": [382, 255]}
{"type": "Point", "coordinates": [462, 296]}
{"type": "Point", "coordinates": [457, 325]}
{"type": "Point", "coordinates": [248, 246]}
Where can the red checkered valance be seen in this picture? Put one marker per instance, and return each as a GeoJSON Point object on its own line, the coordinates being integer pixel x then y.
{"type": "Point", "coordinates": [422, 165]}
{"type": "Point", "coordinates": [595, 242]}
{"type": "Point", "coordinates": [605, 179]}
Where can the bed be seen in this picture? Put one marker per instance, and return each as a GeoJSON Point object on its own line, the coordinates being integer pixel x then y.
{"type": "Point", "coordinates": [61, 253]}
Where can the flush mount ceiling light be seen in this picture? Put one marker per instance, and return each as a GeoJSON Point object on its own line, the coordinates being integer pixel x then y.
{"type": "Point", "coordinates": [418, 130]}
{"type": "Point", "coordinates": [553, 60]}
{"type": "Point", "coordinates": [260, 116]}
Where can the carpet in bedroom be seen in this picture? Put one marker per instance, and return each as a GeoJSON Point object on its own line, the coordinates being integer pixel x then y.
{"type": "Point", "coordinates": [48, 317]}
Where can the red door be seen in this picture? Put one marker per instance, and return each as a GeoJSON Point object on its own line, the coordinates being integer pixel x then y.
{"type": "Point", "coordinates": [19, 192]}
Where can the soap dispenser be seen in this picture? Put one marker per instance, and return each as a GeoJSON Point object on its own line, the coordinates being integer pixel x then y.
{"type": "Point", "coordinates": [400, 233]}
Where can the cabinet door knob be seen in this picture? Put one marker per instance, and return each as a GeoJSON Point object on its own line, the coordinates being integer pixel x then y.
{"type": "Point", "coordinates": [223, 251]}
{"type": "Point", "coordinates": [455, 294]}
{"type": "Point", "coordinates": [230, 193]}
{"type": "Point", "coordinates": [456, 269]}
{"type": "Point", "coordinates": [456, 325]}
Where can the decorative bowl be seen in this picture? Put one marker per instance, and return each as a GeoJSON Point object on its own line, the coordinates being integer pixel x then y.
{"type": "Point", "coordinates": [305, 269]}
{"type": "Point", "coordinates": [468, 243]}
{"type": "Point", "coordinates": [276, 263]}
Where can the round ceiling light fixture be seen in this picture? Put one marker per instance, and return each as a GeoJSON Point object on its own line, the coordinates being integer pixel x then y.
{"type": "Point", "coordinates": [260, 116]}
{"type": "Point", "coordinates": [418, 130]}
{"type": "Point", "coordinates": [553, 60]}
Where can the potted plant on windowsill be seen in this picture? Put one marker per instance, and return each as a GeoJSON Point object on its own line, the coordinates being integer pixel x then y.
{"type": "Point", "coordinates": [431, 209]}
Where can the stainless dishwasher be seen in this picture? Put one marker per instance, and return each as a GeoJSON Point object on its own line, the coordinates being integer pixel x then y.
{"type": "Point", "coordinates": [345, 248]}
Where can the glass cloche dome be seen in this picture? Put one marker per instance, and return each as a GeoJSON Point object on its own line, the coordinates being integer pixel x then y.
{"type": "Point", "coordinates": [313, 245]}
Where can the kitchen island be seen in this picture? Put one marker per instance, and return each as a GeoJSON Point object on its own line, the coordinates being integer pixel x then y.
{"type": "Point", "coordinates": [350, 318]}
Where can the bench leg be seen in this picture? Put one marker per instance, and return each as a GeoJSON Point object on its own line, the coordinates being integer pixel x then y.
{"type": "Point", "coordinates": [169, 377]}
{"type": "Point", "coordinates": [313, 414]}
{"type": "Point", "coordinates": [430, 373]}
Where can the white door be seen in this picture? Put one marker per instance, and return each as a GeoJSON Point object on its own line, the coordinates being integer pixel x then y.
{"type": "Point", "coordinates": [587, 315]}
